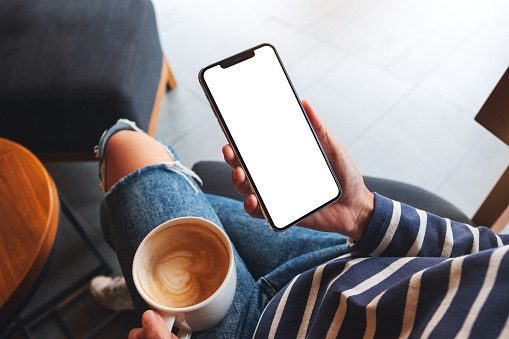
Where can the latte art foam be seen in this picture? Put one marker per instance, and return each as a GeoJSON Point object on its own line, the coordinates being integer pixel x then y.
{"type": "Point", "coordinates": [190, 265]}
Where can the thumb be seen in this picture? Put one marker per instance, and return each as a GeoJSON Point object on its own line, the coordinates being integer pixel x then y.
{"type": "Point", "coordinates": [154, 326]}
{"type": "Point", "coordinates": [319, 126]}
{"type": "Point", "coordinates": [322, 131]}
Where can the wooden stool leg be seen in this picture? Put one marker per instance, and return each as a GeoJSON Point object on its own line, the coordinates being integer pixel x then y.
{"type": "Point", "coordinates": [494, 212]}
{"type": "Point", "coordinates": [171, 79]}
{"type": "Point", "coordinates": [166, 82]}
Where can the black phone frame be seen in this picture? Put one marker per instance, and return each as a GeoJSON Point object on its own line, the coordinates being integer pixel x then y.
{"type": "Point", "coordinates": [233, 60]}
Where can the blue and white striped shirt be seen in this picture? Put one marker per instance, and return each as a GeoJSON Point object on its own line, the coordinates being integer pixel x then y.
{"type": "Point", "coordinates": [412, 274]}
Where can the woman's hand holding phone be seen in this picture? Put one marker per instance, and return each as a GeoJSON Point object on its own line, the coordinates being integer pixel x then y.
{"type": "Point", "coordinates": [349, 215]}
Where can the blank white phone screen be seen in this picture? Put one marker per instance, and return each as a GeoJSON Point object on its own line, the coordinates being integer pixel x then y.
{"type": "Point", "coordinates": [273, 137]}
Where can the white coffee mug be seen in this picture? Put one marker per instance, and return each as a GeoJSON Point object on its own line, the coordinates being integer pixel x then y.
{"type": "Point", "coordinates": [205, 314]}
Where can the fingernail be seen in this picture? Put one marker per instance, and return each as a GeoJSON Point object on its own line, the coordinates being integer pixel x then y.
{"type": "Point", "coordinates": [149, 317]}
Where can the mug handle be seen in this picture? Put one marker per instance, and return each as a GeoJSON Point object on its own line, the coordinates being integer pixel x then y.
{"type": "Point", "coordinates": [169, 320]}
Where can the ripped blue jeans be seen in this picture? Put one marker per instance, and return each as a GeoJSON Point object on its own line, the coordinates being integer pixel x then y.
{"type": "Point", "coordinates": [266, 260]}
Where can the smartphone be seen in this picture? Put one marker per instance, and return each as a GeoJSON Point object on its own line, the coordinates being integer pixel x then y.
{"type": "Point", "coordinates": [263, 119]}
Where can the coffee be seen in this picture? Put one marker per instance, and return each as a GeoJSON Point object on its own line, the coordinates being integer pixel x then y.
{"type": "Point", "coordinates": [188, 264]}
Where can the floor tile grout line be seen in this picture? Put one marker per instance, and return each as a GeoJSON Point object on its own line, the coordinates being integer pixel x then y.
{"type": "Point", "coordinates": [477, 144]}
{"type": "Point", "coordinates": [436, 67]}
{"type": "Point", "coordinates": [382, 116]}
{"type": "Point", "coordinates": [194, 131]}
{"type": "Point", "coordinates": [343, 27]}
{"type": "Point", "coordinates": [327, 70]}
{"type": "Point", "coordinates": [414, 46]}
{"type": "Point", "coordinates": [458, 45]}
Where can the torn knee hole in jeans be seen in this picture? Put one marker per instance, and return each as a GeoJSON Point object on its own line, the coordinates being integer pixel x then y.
{"type": "Point", "coordinates": [177, 167]}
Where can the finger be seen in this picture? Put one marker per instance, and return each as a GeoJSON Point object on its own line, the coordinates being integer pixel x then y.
{"type": "Point", "coordinates": [317, 122]}
{"type": "Point", "coordinates": [328, 141]}
{"type": "Point", "coordinates": [252, 207]}
{"type": "Point", "coordinates": [239, 181]}
{"type": "Point", "coordinates": [154, 326]}
{"type": "Point", "coordinates": [229, 156]}
{"type": "Point", "coordinates": [136, 333]}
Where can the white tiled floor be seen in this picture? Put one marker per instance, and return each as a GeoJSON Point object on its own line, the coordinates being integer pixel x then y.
{"type": "Point", "coordinates": [398, 81]}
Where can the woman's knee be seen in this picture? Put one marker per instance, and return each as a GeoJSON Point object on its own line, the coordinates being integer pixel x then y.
{"type": "Point", "coordinates": [127, 151]}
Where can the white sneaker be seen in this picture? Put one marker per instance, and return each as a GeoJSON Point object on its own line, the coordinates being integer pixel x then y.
{"type": "Point", "coordinates": [111, 293]}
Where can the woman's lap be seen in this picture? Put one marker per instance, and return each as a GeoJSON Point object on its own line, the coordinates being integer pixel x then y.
{"type": "Point", "coordinates": [265, 260]}
{"type": "Point", "coordinates": [265, 251]}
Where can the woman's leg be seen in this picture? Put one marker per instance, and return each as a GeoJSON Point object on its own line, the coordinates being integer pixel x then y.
{"type": "Point", "coordinates": [128, 151]}
{"type": "Point", "coordinates": [145, 187]}
{"type": "Point", "coordinates": [274, 258]}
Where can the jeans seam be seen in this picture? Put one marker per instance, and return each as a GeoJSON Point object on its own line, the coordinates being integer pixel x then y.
{"type": "Point", "coordinates": [269, 290]}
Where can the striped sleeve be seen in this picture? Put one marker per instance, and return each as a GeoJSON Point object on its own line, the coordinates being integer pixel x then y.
{"type": "Point", "coordinates": [383, 297]}
{"type": "Point", "coordinates": [393, 231]}
{"type": "Point", "coordinates": [411, 285]}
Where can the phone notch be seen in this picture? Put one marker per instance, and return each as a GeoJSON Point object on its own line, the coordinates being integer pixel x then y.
{"type": "Point", "coordinates": [233, 60]}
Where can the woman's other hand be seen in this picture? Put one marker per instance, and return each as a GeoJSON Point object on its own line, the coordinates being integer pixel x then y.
{"type": "Point", "coordinates": [153, 328]}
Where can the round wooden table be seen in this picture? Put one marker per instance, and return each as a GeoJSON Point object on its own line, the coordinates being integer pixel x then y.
{"type": "Point", "coordinates": [29, 211]}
